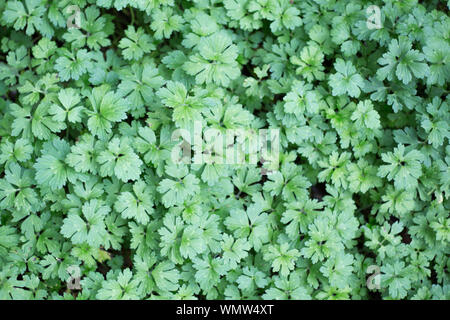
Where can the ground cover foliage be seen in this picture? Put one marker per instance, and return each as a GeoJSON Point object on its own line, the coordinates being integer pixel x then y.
{"type": "Point", "coordinates": [93, 205]}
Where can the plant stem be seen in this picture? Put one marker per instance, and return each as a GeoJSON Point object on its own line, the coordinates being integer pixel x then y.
{"type": "Point", "coordinates": [132, 16]}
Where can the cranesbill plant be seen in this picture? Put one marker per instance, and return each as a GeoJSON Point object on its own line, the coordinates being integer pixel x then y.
{"type": "Point", "coordinates": [236, 149]}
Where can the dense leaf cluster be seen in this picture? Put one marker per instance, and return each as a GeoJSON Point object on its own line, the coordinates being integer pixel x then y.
{"type": "Point", "coordinates": [87, 178]}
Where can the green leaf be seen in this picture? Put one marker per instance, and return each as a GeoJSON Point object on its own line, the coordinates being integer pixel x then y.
{"type": "Point", "coordinates": [89, 227]}
{"type": "Point", "coordinates": [51, 168]}
{"type": "Point", "coordinates": [215, 61]}
{"type": "Point", "coordinates": [107, 107]}
{"type": "Point", "coordinates": [346, 80]}
{"type": "Point", "coordinates": [68, 107]}
{"type": "Point", "coordinates": [404, 169]}
{"type": "Point", "coordinates": [119, 159]}
{"type": "Point", "coordinates": [136, 43]}
{"type": "Point", "coordinates": [137, 205]}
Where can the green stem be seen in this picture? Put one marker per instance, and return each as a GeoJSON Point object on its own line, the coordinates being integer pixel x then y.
{"type": "Point", "coordinates": [132, 16]}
